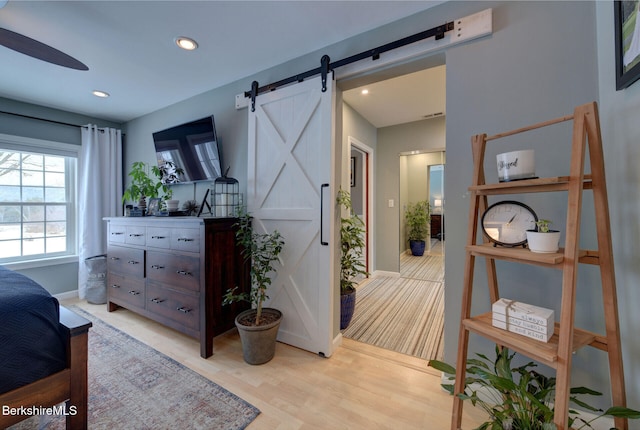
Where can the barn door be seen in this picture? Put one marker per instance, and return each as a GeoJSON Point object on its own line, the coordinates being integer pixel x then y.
{"type": "Point", "coordinates": [290, 189]}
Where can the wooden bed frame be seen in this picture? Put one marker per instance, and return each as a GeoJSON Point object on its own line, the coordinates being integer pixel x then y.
{"type": "Point", "coordinates": [70, 384]}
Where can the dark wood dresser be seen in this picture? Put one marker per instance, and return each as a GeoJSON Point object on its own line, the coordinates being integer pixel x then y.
{"type": "Point", "coordinates": [175, 270]}
{"type": "Point", "coordinates": [437, 226]}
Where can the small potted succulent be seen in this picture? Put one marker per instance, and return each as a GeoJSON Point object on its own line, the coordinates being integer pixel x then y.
{"type": "Point", "coordinates": [543, 239]}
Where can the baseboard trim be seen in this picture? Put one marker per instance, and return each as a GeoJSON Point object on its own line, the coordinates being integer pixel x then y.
{"type": "Point", "coordinates": [385, 273]}
{"type": "Point", "coordinates": [67, 295]}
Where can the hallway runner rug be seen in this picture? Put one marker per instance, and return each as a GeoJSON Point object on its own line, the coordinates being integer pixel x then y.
{"type": "Point", "coordinates": [400, 314]}
{"type": "Point", "coordinates": [133, 386]}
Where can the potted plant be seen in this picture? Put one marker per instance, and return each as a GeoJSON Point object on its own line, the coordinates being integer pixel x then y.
{"type": "Point", "coordinates": [143, 184]}
{"type": "Point", "coordinates": [351, 260]}
{"type": "Point", "coordinates": [543, 239]}
{"type": "Point", "coordinates": [417, 216]}
{"type": "Point", "coordinates": [258, 326]}
{"type": "Point", "coordinates": [519, 397]}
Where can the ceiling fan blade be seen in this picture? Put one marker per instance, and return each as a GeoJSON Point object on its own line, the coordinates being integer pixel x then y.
{"type": "Point", "coordinates": [33, 48]}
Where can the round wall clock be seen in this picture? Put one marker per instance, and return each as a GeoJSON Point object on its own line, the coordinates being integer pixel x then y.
{"type": "Point", "coordinates": [506, 223]}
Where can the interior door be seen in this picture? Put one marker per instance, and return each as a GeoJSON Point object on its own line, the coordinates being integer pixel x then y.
{"type": "Point", "coordinates": [290, 189]}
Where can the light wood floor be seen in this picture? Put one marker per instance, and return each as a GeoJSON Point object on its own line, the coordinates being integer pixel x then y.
{"type": "Point", "coordinates": [359, 387]}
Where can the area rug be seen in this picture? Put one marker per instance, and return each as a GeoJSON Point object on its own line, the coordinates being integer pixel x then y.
{"type": "Point", "coordinates": [400, 314]}
{"type": "Point", "coordinates": [133, 386]}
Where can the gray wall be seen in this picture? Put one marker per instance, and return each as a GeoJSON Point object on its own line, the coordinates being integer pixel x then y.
{"type": "Point", "coordinates": [57, 278]}
{"type": "Point", "coordinates": [621, 134]}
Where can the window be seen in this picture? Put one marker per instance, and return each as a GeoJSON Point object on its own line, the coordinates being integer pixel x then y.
{"type": "Point", "coordinates": [37, 199]}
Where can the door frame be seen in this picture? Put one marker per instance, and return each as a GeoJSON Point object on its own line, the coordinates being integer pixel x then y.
{"type": "Point", "coordinates": [369, 158]}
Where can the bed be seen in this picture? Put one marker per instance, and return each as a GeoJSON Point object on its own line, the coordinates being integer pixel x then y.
{"type": "Point", "coordinates": [43, 354]}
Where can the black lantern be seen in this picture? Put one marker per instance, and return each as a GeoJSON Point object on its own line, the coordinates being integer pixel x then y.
{"type": "Point", "coordinates": [226, 199]}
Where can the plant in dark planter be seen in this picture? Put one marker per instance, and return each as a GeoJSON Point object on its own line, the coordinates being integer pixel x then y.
{"type": "Point", "coordinates": [351, 260]}
{"type": "Point", "coordinates": [417, 216]}
{"type": "Point", "coordinates": [258, 327]}
{"type": "Point", "coordinates": [519, 397]}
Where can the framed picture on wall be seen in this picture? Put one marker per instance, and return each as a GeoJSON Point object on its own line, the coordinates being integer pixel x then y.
{"type": "Point", "coordinates": [627, 39]}
{"type": "Point", "coordinates": [352, 171]}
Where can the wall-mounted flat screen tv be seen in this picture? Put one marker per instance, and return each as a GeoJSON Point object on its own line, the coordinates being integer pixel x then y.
{"type": "Point", "coordinates": [188, 152]}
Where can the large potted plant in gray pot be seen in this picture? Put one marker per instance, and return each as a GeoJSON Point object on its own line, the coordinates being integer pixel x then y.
{"type": "Point", "coordinates": [418, 216]}
{"type": "Point", "coordinates": [351, 262]}
{"type": "Point", "coordinates": [258, 326]}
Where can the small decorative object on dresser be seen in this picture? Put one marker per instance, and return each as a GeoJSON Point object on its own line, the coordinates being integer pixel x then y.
{"type": "Point", "coordinates": [175, 271]}
{"type": "Point", "coordinates": [258, 327]}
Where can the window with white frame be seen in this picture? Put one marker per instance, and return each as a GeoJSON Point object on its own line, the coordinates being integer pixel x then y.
{"type": "Point", "coordinates": [37, 199]}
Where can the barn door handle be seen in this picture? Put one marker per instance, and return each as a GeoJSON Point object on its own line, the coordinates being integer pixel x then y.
{"type": "Point", "coordinates": [322, 242]}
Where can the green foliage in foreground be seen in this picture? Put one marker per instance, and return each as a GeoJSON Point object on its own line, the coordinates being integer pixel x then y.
{"type": "Point", "coordinates": [520, 398]}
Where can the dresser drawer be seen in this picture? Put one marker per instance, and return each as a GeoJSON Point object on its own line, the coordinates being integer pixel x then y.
{"type": "Point", "coordinates": [125, 261]}
{"type": "Point", "coordinates": [180, 271]}
{"type": "Point", "coordinates": [185, 239]}
{"type": "Point", "coordinates": [122, 289]}
{"type": "Point", "coordinates": [180, 307]}
{"type": "Point", "coordinates": [158, 237]}
{"type": "Point", "coordinates": [135, 235]}
{"type": "Point", "coordinates": [117, 233]}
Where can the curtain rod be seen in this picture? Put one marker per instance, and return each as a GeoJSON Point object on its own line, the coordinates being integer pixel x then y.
{"type": "Point", "coordinates": [68, 124]}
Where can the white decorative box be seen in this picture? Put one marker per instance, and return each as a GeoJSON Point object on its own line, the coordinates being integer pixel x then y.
{"type": "Point", "coordinates": [523, 311]}
{"type": "Point", "coordinates": [503, 321]}
{"type": "Point", "coordinates": [524, 319]}
{"type": "Point", "coordinates": [544, 337]}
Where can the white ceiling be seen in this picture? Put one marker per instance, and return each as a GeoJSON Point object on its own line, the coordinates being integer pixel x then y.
{"type": "Point", "coordinates": [412, 97]}
{"type": "Point", "coordinates": [130, 51]}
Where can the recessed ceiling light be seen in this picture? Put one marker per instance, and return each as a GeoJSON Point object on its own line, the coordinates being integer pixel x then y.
{"type": "Point", "coordinates": [365, 92]}
{"type": "Point", "coordinates": [186, 43]}
{"type": "Point", "coordinates": [99, 93]}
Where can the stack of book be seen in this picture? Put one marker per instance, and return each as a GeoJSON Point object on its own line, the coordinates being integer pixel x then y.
{"type": "Point", "coordinates": [527, 320]}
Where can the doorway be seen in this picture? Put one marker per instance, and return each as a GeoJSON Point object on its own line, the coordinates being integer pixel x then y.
{"type": "Point", "coordinates": [424, 135]}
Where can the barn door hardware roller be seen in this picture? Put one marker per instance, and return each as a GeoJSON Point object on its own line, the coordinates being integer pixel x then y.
{"type": "Point", "coordinates": [326, 66]}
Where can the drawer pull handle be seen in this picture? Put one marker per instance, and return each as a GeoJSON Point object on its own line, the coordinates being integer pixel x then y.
{"type": "Point", "coordinates": [183, 272]}
{"type": "Point", "coordinates": [134, 293]}
{"type": "Point", "coordinates": [184, 310]}
{"type": "Point", "coordinates": [157, 267]}
{"type": "Point", "coordinates": [157, 300]}
{"type": "Point", "coordinates": [135, 235]}
{"type": "Point", "coordinates": [114, 258]}
{"type": "Point", "coordinates": [158, 237]}
{"type": "Point", "coordinates": [115, 286]}
{"type": "Point", "coordinates": [185, 239]}
{"type": "Point", "coordinates": [132, 262]}
{"type": "Point", "coordinates": [117, 233]}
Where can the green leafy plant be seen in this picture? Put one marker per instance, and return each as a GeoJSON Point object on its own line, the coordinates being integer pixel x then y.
{"type": "Point", "coordinates": [417, 216]}
{"type": "Point", "coordinates": [543, 225]}
{"type": "Point", "coordinates": [145, 182]}
{"type": "Point", "coordinates": [352, 243]}
{"type": "Point", "coordinates": [261, 251]}
{"type": "Point", "coordinates": [519, 398]}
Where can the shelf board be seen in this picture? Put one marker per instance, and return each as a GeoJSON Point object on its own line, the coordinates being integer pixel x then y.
{"type": "Point", "coordinates": [546, 353]}
{"type": "Point", "coordinates": [556, 183]}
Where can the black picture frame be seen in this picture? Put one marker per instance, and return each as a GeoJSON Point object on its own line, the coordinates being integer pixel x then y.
{"type": "Point", "coordinates": [627, 69]}
{"type": "Point", "coordinates": [153, 208]}
{"type": "Point", "coordinates": [352, 171]}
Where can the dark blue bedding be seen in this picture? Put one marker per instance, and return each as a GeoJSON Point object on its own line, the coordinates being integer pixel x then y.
{"type": "Point", "coordinates": [32, 344]}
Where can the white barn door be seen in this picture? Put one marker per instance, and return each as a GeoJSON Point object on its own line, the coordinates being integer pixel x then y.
{"type": "Point", "coordinates": [290, 189]}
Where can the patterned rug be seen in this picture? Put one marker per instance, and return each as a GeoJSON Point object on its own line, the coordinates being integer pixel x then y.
{"type": "Point", "coordinates": [134, 386]}
{"type": "Point", "coordinates": [404, 314]}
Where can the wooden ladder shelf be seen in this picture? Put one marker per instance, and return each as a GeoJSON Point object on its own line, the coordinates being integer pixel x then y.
{"type": "Point", "coordinates": [557, 353]}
